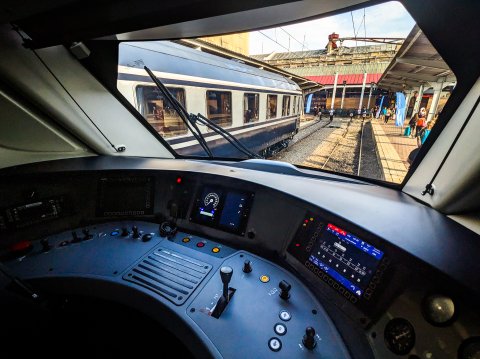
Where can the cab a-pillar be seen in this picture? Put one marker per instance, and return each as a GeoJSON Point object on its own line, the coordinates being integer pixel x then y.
{"type": "Point", "coordinates": [437, 90]}
{"type": "Point", "coordinates": [363, 91]}
{"type": "Point", "coordinates": [408, 96]}
{"type": "Point", "coordinates": [332, 105]}
{"type": "Point", "coordinates": [370, 94]}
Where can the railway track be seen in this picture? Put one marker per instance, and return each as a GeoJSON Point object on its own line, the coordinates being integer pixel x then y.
{"type": "Point", "coordinates": [337, 154]}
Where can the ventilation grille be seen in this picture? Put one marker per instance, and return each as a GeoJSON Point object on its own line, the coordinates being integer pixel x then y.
{"type": "Point", "coordinates": [170, 274]}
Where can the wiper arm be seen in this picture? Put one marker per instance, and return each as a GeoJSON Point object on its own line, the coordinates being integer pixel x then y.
{"type": "Point", "coordinates": [191, 120]}
{"type": "Point", "coordinates": [178, 107]}
{"type": "Point", "coordinates": [225, 134]}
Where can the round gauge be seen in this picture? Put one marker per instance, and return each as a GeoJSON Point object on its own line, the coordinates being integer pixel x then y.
{"type": "Point", "coordinates": [438, 309]}
{"type": "Point", "coordinates": [399, 336]}
{"type": "Point", "coordinates": [211, 199]}
{"type": "Point", "coordinates": [470, 349]}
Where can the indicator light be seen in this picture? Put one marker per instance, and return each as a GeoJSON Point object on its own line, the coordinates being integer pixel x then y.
{"type": "Point", "coordinates": [264, 278]}
{"type": "Point", "coordinates": [306, 221]}
{"type": "Point", "coordinates": [179, 180]}
{"type": "Point", "coordinates": [186, 240]}
{"type": "Point", "coordinates": [200, 244]}
{"type": "Point", "coordinates": [297, 244]}
{"type": "Point", "coordinates": [311, 219]}
{"type": "Point", "coordinates": [215, 249]}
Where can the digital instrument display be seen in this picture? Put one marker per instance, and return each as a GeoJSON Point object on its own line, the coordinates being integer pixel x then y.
{"type": "Point", "coordinates": [347, 259]}
{"type": "Point", "coordinates": [125, 196]}
{"type": "Point", "coordinates": [327, 249]}
{"type": "Point", "coordinates": [221, 208]}
{"type": "Point", "coordinates": [32, 212]}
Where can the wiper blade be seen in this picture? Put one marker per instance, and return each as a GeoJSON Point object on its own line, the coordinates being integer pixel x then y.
{"type": "Point", "coordinates": [178, 107]}
{"type": "Point", "coordinates": [191, 120]}
{"type": "Point", "coordinates": [226, 135]}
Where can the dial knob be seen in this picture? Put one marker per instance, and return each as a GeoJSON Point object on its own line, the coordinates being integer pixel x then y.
{"type": "Point", "coordinates": [135, 231]}
{"type": "Point", "coordinates": [86, 234]}
{"type": "Point", "coordinates": [247, 266]}
{"type": "Point", "coordinates": [45, 245]}
{"type": "Point", "coordinates": [75, 237]}
{"type": "Point", "coordinates": [147, 237]}
{"type": "Point", "coordinates": [284, 289]}
{"type": "Point", "coordinates": [309, 338]}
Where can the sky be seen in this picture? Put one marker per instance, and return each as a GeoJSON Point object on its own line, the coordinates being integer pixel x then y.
{"type": "Point", "coordinates": [384, 20]}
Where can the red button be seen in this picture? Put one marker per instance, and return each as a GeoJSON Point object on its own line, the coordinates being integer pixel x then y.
{"type": "Point", "coordinates": [200, 244]}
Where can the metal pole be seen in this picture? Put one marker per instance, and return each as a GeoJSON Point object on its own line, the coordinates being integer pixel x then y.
{"type": "Point", "coordinates": [343, 93]}
{"type": "Point", "coordinates": [369, 96]}
{"type": "Point", "coordinates": [418, 100]}
{"type": "Point", "coordinates": [334, 91]}
{"type": "Point", "coordinates": [437, 90]}
{"type": "Point", "coordinates": [363, 91]}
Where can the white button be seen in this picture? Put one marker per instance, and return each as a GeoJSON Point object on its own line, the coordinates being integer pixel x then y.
{"type": "Point", "coordinates": [275, 344]}
{"type": "Point", "coordinates": [285, 316]}
{"type": "Point", "coordinates": [280, 329]}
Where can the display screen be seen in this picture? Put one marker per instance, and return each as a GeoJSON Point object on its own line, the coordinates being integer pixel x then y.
{"type": "Point", "coordinates": [125, 196]}
{"type": "Point", "coordinates": [32, 212]}
{"type": "Point", "coordinates": [349, 260]}
{"type": "Point", "coordinates": [221, 208]}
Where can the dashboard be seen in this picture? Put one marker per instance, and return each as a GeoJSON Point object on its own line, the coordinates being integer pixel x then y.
{"type": "Point", "coordinates": [290, 264]}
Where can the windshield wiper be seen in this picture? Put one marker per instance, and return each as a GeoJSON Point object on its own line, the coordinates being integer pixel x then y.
{"type": "Point", "coordinates": [192, 119]}
{"type": "Point", "coordinates": [182, 113]}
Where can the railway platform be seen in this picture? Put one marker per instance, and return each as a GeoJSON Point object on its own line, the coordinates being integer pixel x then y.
{"type": "Point", "coordinates": [393, 149]}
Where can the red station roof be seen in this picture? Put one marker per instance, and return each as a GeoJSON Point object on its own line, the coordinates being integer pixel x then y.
{"type": "Point", "coordinates": [352, 79]}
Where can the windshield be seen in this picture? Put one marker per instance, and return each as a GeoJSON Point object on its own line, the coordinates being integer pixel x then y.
{"type": "Point", "coordinates": [356, 93]}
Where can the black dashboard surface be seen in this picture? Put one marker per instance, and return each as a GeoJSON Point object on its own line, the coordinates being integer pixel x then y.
{"type": "Point", "coordinates": [386, 213]}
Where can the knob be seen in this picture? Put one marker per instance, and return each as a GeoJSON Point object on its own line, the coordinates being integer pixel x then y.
{"type": "Point", "coordinates": [284, 289]}
{"type": "Point", "coordinates": [86, 234]}
{"type": "Point", "coordinates": [45, 245]}
{"type": "Point", "coordinates": [309, 338]}
{"type": "Point", "coordinates": [147, 237]}
{"type": "Point", "coordinates": [226, 273]}
{"type": "Point", "coordinates": [167, 229]}
{"type": "Point", "coordinates": [136, 233]}
{"type": "Point", "coordinates": [75, 237]}
{"type": "Point", "coordinates": [125, 232]}
{"type": "Point", "coordinates": [247, 266]}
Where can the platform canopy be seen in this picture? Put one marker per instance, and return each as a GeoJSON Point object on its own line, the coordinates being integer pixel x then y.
{"type": "Point", "coordinates": [416, 63]}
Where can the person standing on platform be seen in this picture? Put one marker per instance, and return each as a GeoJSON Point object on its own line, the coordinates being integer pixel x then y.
{"type": "Point", "coordinates": [413, 123]}
{"type": "Point", "coordinates": [384, 113]}
{"type": "Point", "coordinates": [331, 114]}
{"type": "Point", "coordinates": [421, 124]}
{"type": "Point", "coordinates": [388, 113]}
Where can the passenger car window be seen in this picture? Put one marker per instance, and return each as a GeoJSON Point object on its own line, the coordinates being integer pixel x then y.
{"type": "Point", "coordinates": [219, 107]}
{"type": "Point", "coordinates": [250, 107]}
{"type": "Point", "coordinates": [159, 112]}
{"type": "Point", "coordinates": [271, 106]}
{"type": "Point", "coordinates": [286, 106]}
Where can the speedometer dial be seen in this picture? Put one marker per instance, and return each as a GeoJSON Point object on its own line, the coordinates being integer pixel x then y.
{"type": "Point", "coordinates": [211, 199]}
{"type": "Point", "coordinates": [399, 336]}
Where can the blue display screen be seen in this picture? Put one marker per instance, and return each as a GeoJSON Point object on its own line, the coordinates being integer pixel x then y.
{"type": "Point", "coordinates": [346, 258]}
{"type": "Point", "coordinates": [222, 208]}
{"type": "Point", "coordinates": [233, 209]}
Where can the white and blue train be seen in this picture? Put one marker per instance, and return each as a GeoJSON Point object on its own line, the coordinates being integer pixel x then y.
{"type": "Point", "coordinates": [262, 109]}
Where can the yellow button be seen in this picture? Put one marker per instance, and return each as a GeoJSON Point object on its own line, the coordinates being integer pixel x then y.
{"type": "Point", "coordinates": [264, 278]}
{"type": "Point", "coordinates": [186, 240]}
{"type": "Point", "coordinates": [215, 249]}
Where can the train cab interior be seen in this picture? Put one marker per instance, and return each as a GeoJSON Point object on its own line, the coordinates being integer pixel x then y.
{"type": "Point", "coordinates": [112, 242]}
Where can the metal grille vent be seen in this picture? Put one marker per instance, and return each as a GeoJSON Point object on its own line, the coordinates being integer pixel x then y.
{"type": "Point", "coordinates": [170, 274]}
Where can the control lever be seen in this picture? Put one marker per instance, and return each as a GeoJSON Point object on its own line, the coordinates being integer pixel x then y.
{"type": "Point", "coordinates": [309, 338]}
{"type": "Point", "coordinates": [284, 289]}
{"type": "Point", "coordinates": [247, 266]}
{"type": "Point", "coordinates": [136, 232]}
{"type": "Point", "coordinates": [45, 245]}
{"type": "Point", "coordinates": [226, 273]}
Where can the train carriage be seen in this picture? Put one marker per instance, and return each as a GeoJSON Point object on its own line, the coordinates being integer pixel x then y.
{"type": "Point", "coordinates": [260, 108]}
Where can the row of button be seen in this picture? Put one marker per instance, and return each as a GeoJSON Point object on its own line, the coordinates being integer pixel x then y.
{"type": "Point", "coordinates": [200, 244]}
{"type": "Point", "coordinates": [274, 343]}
